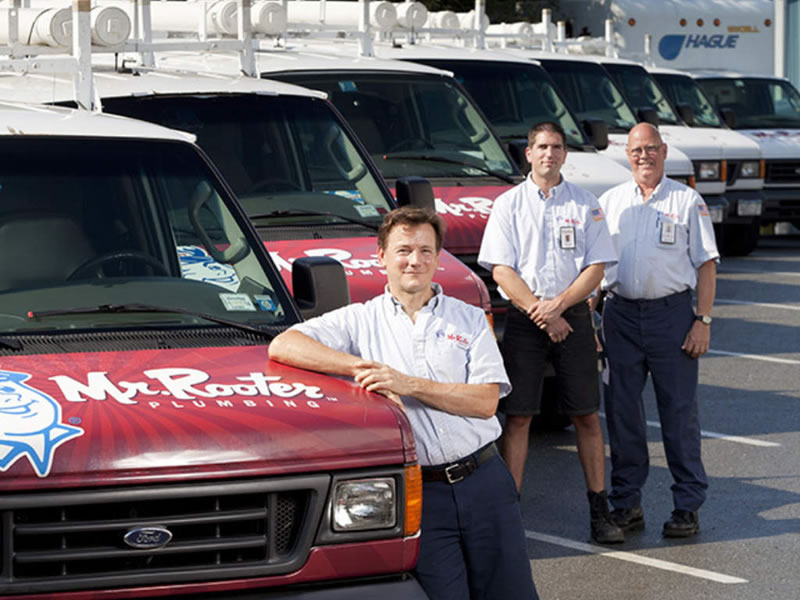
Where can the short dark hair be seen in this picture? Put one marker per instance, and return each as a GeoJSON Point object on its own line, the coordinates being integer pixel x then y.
{"type": "Point", "coordinates": [411, 215]}
{"type": "Point", "coordinates": [550, 126]}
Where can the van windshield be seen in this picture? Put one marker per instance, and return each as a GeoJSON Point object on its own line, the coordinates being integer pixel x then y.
{"type": "Point", "coordinates": [413, 124]}
{"type": "Point", "coordinates": [757, 103]}
{"type": "Point", "coordinates": [642, 91]}
{"type": "Point", "coordinates": [98, 222]}
{"type": "Point", "coordinates": [591, 94]}
{"type": "Point", "coordinates": [278, 154]}
{"type": "Point", "coordinates": [682, 89]}
{"type": "Point", "coordinates": [513, 96]}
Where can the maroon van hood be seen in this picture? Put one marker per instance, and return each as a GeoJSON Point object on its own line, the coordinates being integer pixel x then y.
{"type": "Point", "coordinates": [107, 418]}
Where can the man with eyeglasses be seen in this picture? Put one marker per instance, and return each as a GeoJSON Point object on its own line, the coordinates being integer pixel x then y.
{"type": "Point", "coordinates": [664, 239]}
{"type": "Point", "coordinates": [547, 245]}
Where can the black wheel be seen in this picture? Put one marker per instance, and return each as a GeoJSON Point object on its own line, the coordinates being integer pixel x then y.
{"type": "Point", "coordinates": [94, 268]}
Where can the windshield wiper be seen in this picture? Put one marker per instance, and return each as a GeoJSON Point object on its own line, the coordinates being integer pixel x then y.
{"type": "Point", "coordinates": [299, 212]}
{"type": "Point", "coordinates": [145, 308]}
{"type": "Point", "coordinates": [452, 161]}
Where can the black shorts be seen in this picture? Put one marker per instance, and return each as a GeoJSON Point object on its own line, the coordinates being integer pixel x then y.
{"type": "Point", "coordinates": [526, 350]}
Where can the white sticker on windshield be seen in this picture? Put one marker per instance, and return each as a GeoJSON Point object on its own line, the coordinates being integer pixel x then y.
{"type": "Point", "coordinates": [197, 264]}
{"type": "Point", "coordinates": [352, 195]}
{"type": "Point", "coordinates": [237, 302]}
{"type": "Point", "coordinates": [366, 210]}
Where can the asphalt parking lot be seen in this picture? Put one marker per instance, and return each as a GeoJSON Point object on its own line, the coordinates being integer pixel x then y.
{"type": "Point", "coordinates": [749, 544]}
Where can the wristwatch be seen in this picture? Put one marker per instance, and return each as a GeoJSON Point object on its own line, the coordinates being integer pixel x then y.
{"type": "Point", "coordinates": [704, 319]}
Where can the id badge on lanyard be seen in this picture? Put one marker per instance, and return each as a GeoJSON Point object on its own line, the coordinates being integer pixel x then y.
{"type": "Point", "coordinates": [567, 237]}
{"type": "Point", "coordinates": [667, 232]}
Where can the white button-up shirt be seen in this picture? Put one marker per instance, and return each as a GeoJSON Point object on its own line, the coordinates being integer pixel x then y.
{"type": "Point", "coordinates": [548, 241]}
{"type": "Point", "coordinates": [450, 342]}
{"type": "Point", "coordinates": [660, 243]}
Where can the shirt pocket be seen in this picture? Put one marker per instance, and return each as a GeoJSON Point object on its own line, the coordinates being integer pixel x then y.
{"type": "Point", "coordinates": [569, 238]}
{"type": "Point", "coordinates": [671, 236]}
{"type": "Point", "coordinates": [447, 358]}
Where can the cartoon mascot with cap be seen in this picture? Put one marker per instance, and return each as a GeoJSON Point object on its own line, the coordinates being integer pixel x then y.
{"type": "Point", "coordinates": [30, 424]}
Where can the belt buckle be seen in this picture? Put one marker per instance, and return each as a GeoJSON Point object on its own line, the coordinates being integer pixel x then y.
{"type": "Point", "coordinates": [451, 479]}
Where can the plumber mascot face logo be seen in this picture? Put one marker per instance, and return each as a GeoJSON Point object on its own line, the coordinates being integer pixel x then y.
{"type": "Point", "coordinates": [30, 424]}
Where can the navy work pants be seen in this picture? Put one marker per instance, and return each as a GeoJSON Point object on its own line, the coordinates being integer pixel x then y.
{"type": "Point", "coordinates": [641, 337]}
{"type": "Point", "coordinates": [473, 544]}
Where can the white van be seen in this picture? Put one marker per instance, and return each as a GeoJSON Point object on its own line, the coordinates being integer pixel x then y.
{"type": "Point", "coordinates": [767, 110]}
{"type": "Point", "coordinates": [745, 173]}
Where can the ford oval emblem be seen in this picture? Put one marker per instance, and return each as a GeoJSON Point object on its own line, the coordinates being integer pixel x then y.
{"type": "Point", "coordinates": [148, 538]}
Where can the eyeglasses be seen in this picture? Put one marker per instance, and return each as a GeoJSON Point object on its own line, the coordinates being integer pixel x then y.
{"type": "Point", "coordinates": [650, 149]}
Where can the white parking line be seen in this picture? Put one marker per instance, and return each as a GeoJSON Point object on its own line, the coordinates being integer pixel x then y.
{"type": "Point", "coordinates": [735, 271]}
{"type": "Point", "coordinates": [783, 361]}
{"type": "Point", "coordinates": [764, 304]}
{"type": "Point", "coordinates": [634, 558]}
{"type": "Point", "coordinates": [720, 436]}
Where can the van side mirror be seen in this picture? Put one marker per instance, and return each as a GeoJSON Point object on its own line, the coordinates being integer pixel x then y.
{"type": "Point", "coordinates": [729, 116]}
{"type": "Point", "coordinates": [319, 285]}
{"type": "Point", "coordinates": [414, 191]}
{"type": "Point", "coordinates": [648, 114]}
{"type": "Point", "coordinates": [686, 113]}
{"type": "Point", "coordinates": [597, 131]}
{"type": "Point", "coordinates": [516, 149]}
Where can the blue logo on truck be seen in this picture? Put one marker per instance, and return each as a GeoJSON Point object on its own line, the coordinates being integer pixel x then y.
{"type": "Point", "coordinates": [671, 45]}
{"type": "Point", "coordinates": [30, 424]}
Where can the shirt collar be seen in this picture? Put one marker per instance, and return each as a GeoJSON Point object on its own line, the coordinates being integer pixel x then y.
{"type": "Point", "coordinates": [554, 191]}
{"type": "Point", "coordinates": [638, 191]}
{"type": "Point", "coordinates": [433, 304]}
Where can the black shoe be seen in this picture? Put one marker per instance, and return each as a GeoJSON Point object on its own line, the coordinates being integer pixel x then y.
{"type": "Point", "coordinates": [682, 523]}
{"type": "Point", "coordinates": [628, 519]}
{"type": "Point", "coordinates": [604, 530]}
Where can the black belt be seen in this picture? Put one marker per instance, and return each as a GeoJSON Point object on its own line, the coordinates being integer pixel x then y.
{"type": "Point", "coordinates": [646, 302]}
{"type": "Point", "coordinates": [461, 469]}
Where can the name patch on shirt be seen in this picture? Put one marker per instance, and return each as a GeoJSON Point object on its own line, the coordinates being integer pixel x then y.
{"type": "Point", "coordinates": [456, 339]}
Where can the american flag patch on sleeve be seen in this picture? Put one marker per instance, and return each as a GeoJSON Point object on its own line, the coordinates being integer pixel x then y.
{"type": "Point", "coordinates": [597, 214]}
{"type": "Point", "coordinates": [703, 210]}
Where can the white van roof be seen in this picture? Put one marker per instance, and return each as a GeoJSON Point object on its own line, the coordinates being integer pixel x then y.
{"type": "Point", "coordinates": [46, 88]}
{"type": "Point", "coordinates": [22, 119]}
{"type": "Point", "coordinates": [317, 57]}
{"type": "Point", "coordinates": [434, 52]}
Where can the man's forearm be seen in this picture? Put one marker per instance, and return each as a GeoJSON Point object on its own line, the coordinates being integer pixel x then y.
{"type": "Point", "coordinates": [706, 287]}
{"type": "Point", "coordinates": [514, 287]}
{"type": "Point", "coordinates": [299, 350]}
{"type": "Point", "coordinates": [464, 399]}
{"type": "Point", "coordinates": [585, 283]}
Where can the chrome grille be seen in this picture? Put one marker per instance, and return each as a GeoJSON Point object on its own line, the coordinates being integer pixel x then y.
{"type": "Point", "coordinates": [74, 540]}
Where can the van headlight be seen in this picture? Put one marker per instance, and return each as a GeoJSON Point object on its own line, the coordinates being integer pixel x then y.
{"type": "Point", "coordinates": [751, 169]}
{"type": "Point", "coordinates": [708, 170]}
{"type": "Point", "coordinates": [363, 504]}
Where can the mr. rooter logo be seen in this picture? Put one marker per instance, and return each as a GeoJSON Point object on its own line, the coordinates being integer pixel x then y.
{"type": "Point", "coordinates": [31, 421]}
